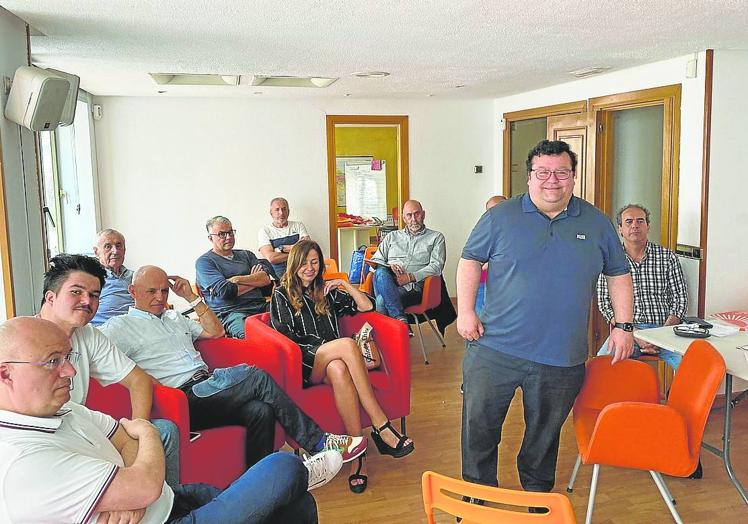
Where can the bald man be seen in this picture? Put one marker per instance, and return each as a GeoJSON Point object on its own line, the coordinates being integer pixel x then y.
{"type": "Point", "coordinates": [161, 341]}
{"type": "Point", "coordinates": [407, 256]}
{"type": "Point", "coordinates": [77, 465]}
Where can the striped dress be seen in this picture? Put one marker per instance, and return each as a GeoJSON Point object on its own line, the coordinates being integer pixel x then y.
{"type": "Point", "coordinates": [307, 328]}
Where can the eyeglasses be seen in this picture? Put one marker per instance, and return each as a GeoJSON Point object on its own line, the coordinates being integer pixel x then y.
{"type": "Point", "coordinates": [224, 234]}
{"type": "Point", "coordinates": [545, 174]}
{"type": "Point", "coordinates": [54, 363]}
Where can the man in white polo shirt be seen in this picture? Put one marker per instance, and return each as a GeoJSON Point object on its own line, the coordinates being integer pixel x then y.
{"type": "Point", "coordinates": [72, 287]}
{"type": "Point", "coordinates": [77, 465]}
{"type": "Point", "coordinates": [276, 240]}
{"type": "Point", "coordinates": [161, 342]}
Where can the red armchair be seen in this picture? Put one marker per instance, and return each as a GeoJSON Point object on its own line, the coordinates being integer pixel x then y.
{"type": "Point", "coordinates": [214, 457]}
{"type": "Point", "coordinates": [391, 382]}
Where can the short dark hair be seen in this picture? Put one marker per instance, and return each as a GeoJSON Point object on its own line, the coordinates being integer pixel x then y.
{"type": "Point", "coordinates": [63, 264]}
{"type": "Point", "coordinates": [619, 215]}
{"type": "Point", "coordinates": [551, 147]}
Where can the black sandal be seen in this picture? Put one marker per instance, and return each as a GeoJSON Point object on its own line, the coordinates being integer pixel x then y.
{"type": "Point", "coordinates": [398, 451]}
{"type": "Point", "coordinates": [358, 488]}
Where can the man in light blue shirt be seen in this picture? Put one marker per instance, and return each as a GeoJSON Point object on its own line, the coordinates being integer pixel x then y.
{"type": "Point", "coordinates": [115, 298]}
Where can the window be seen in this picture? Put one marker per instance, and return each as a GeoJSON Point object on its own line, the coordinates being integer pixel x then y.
{"type": "Point", "coordinates": [69, 182]}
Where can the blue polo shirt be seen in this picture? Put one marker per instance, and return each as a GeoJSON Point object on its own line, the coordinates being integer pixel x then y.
{"type": "Point", "coordinates": [115, 298]}
{"type": "Point", "coordinates": [541, 277]}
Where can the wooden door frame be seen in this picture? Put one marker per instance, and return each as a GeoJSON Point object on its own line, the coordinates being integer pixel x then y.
{"type": "Point", "coordinates": [568, 108]}
{"type": "Point", "coordinates": [7, 273]}
{"type": "Point", "coordinates": [601, 109]}
{"type": "Point", "coordinates": [401, 121]}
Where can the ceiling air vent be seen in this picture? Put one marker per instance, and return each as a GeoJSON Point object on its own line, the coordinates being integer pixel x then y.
{"type": "Point", "coordinates": [188, 79]}
{"type": "Point", "coordinates": [290, 81]}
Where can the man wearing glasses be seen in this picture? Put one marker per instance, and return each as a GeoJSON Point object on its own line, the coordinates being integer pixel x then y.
{"type": "Point", "coordinates": [232, 280]}
{"type": "Point", "coordinates": [75, 465]}
{"type": "Point", "coordinates": [546, 250]}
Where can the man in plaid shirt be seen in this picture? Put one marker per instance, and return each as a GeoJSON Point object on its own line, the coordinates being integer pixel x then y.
{"type": "Point", "coordinates": [660, 297]}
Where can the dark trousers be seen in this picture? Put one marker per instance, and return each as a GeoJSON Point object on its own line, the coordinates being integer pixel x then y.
{"type": "Point", "coordinates": [548, 392]}
{"type": "Point", "coordinates": [255, 403]}
{"type": "Point", "coordinates": [275, 490]}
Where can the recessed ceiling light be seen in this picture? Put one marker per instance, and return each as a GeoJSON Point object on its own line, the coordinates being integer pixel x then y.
{"type": "Point", "coordinates": [289, 81]}
{"type": "Point", "coordinates": [190, 79]}
{"type": "Point", "coordinates": [371, 74]}
{"type": "Point", "coordinates": [258, 92]}
{"type": "Point", "coordinates": [589, 71]}
{"type": "Point", "coordinates": [458, 86]}
{"type": "Point", "coordinates": [347, 94]}
{"type": "Point", "coordinates": [161, 92]}
{"type": "Point", "coordinates": [430, 95]}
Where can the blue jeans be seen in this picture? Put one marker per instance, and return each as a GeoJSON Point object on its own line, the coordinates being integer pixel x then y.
{"type": "Point", "coordinates": [670, 357]}
{"type": "Point", "coordinates": [273, 490]}
{"type": "Point", "coordinates": [170, 439]}
{"type": "Point", "coordinates": [392, 299]}
{"type": "Point", "coordinates": [490, 380]}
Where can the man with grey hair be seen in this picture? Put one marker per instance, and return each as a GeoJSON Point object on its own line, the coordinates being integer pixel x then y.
{"type": "Point", "coordinates": [660, 295]}
{"type": "Point", "coordinates": [232, 280]}
{"type": "Point", "coordinates": [276, 240]}
{"type": "Point", "coordinates": [114, 299]}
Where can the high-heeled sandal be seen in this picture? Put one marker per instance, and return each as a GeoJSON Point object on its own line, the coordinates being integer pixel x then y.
{"type": "Point", "coordinates": [358, 488]}
{"type": "Point", "coordinates": [398, 451]}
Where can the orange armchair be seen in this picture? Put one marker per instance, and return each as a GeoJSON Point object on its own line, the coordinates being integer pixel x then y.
{"type": "Point", "coordinates": [618, 420]}
{"type": "Point", "coordinates": [391, 382]}
{"type": "Point", "coordinates": [435, 485]}
{"type": "Point", "coordinates": [216, 456]}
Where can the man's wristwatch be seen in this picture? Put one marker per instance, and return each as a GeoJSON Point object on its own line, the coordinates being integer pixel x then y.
{"type": "Point", "coordinates": [626, 326]}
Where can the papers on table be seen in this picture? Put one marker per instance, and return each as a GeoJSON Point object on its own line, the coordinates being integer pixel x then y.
{"type": "Point", "coordinates": [722, 329]}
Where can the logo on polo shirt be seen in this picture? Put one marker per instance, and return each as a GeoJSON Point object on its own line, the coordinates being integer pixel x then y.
{"type": "Point", "coordinates": [581, 236]}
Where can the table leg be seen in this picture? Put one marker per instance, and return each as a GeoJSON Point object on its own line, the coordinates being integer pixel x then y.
{"type": "Point", "coordinates": [725, 451]}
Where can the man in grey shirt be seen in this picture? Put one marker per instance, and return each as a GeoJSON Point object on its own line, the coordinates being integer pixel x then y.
{"type": "Point", "coordinates": [407, 257]}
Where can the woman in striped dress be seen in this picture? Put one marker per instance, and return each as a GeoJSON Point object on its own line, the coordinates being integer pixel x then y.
{"type": "Point", "coordinates": [306, 309]}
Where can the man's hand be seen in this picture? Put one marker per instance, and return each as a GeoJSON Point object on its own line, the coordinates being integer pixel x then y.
{"type": "Point", "coordinates": [400, 275]}
{"type": "Point", "coordinates": [138, 428]}
{"type": "Point", "coordinates": [672, 320]}
{"type": "Point", "coordinates": [469, 326]}
{"type": "Point", "coordinates": [181, 286]}
{"type": "Point", "coordinates": [620, 345]}
{"type": "Point", "coordinates": [257, 268]}
{"type": "Point", "coordinates": [121, 517]}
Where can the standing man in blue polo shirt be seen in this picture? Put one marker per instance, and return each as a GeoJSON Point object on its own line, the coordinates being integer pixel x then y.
{"type": "Point", "coordinates": [115, 299]}
{"type": "Point", "coordinates": [545, 250]}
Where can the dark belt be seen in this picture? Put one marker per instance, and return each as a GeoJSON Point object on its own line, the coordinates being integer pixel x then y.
{"type": "Point", "coordinates": [199, 376]}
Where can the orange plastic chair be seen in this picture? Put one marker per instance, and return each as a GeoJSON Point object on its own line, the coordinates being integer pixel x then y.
{"type": "Point", "coordinates": [435, 485]}
{"type": "Point", "coordinates": [329, 275]}
{"type": "Point", "coordinates": [618, 420]}
{"type": "Point", "coordinates": [367, 286]}
{"type": "Point", "coordinates": [331, 266]}
{"type": "Point", "coordinates": [431, 297]}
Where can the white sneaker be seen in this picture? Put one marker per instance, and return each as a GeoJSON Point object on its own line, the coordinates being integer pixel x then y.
{"type": "Point", "coordinates": [349, 447]}
{"type": "Point", "coordinates": [323, 467]}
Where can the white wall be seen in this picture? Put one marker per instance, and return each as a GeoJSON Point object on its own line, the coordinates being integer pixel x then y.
{"type": "Point", "coordinates": [657, 74]}
{"type": "Point", "coordinates": [167, 164]}
{"type": "Point", "coordinates": [727, 263]}
{"type": "Point", "coordinates": [22, 196]}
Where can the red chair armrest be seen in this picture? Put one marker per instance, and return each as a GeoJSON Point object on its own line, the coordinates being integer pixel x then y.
{"type": "Point", "coordinates": [228, 352]}
{"type": "Point", "coordinates": [261, 336]}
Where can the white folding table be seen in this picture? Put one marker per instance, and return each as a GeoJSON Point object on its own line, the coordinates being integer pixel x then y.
{"type": "Point", "coordinates": [736, 363]}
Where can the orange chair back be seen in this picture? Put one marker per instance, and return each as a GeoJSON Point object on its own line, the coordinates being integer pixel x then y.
{"type": "Point", "coordinates": [606, 383]}
{"type": "Point", "coordinates": [367, 286]}
{"type": "Point", "coordinates": [331, 266]}
{"type": "Point", "coordinates": [330, 275]}
{"type": "Point", "coordinates": [431, 297]}
{"type": "Point", "coordinates": [694, 388]}
{"type": "Point", "coordinates": [435, 485]}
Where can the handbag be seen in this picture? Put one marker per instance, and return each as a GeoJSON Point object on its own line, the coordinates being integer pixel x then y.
{"type": "Point", "coordinates": [368, 347]}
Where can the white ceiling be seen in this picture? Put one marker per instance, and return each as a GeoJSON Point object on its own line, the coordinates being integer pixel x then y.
{"type": "Point", "coordinates": [493, 48]}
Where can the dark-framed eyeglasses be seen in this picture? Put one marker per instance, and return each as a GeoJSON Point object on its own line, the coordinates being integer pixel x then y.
{"type": "Point", "coordinates": [224, 234]}
{"type": "Point", "coordinates": [53, 363]}
{"type": "Point", "coordinates": [545, 174]}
